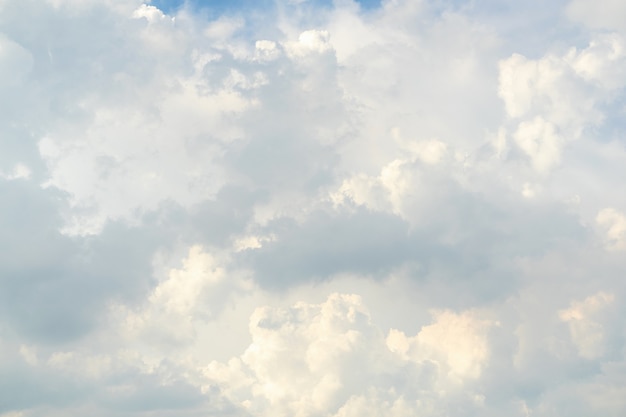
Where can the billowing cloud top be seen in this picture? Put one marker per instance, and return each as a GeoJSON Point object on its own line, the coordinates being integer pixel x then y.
{"type": "Point", "coordinates": [312, 208]}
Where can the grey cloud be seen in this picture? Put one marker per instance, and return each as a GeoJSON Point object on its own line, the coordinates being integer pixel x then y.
{"type": "Point", "coordinates": [54, 286]}
{"type": "Point", "coordinates": [145, 393]}
{"type": "Point", "coordinates": [487, 238]}
{"type": "Point", "coordinates": [25, 388]}
{"type": "Point", "coordinates": [289, 141]}
{"type": "Point", "coordinates": [123, 391]}
{"type": "Point", "coordinates": [213, 222]}
{"type": "Point", "coordinates": [364, 242]}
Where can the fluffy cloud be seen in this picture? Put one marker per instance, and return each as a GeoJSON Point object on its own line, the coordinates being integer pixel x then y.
{"type": "Point", "coordinates": [557, 99]}
{"type": "Point", "coordinates": [196, 293]}
{"type": "Point", "coordinates": [312, 209]}
{"type": "Point", "coordinates": [312, 359]}
{"type": "Point", "coordinates": [588, 334]}
{"type": "Point", "coordinates": [614, 224]}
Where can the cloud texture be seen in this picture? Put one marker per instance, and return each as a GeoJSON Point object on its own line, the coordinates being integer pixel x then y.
{"type": "Point", "coordinates": [312, 208]}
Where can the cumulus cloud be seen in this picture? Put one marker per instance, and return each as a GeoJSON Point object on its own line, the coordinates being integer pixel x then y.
{"type": "Point", "coordinates": [614, 224]}
{"type": "Point", "coordinates": [196, 293]}
{"type": "Point", "coordinates": [318, 358]}
{"type": "Point", "coordinates": [316, 208]}
{"type": "Point", "coordinates": [557, 99]}
{"type": "Point", "coordinates": [587, 334]}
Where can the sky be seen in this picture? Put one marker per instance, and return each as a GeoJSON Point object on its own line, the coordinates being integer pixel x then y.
{"type": "Point", "coordinates": [299, 208]}
{"type": "Point", "coordinates": [234, 6]}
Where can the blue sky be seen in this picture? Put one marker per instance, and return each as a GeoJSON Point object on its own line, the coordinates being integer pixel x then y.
{"type": "Point", "coordinates": [282, 208]}
{"type": "Point", "coordinates": [218, 6]}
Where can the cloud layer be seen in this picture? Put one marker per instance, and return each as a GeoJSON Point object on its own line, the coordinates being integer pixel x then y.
{"type": "Point", "coordinates": [312, 208]}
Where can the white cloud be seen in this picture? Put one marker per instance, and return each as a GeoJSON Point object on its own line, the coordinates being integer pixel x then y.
{"type": "Point", "coordinates": [310, 41]}
{"type": "Point", "coordinates": [603, 62]}
{"type": "Point", "coordinates": [29, 354]}
{"type": "Point", "coordinates": [557, 99]}
{"type": "Point", "coordinates": [540, 140]}
{"type": "Point", "coordinates": [318, 358]}
{"type": "Point", "coordinates": [188, 297]}
{"type": "Point", "coordinates": [20, 171]}
{"type": "Point", "coordinates": [267, 50]}
{"type": "Point", "coordinates": [150, 13]}
{"type": "Point", "coordinates": [312, 209]}
{"type": "Point", "coordinates": [587, 333]}
{"type": "Point", "coordinates": [613, 224]}
{"type": "Point", "coordinates": [456, 342]}
{"type": "Point", "coordinates": [224, 28]}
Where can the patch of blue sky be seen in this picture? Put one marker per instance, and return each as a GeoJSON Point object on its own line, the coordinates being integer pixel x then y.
{"type": "Point", "coordinates": [214, 7]}
{"type": "Point", "coordinates": [217, 7]}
